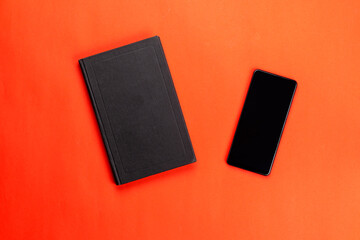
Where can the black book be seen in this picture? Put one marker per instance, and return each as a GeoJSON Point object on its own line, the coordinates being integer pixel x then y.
{"type": "Point", "coordinates": [137, 109]}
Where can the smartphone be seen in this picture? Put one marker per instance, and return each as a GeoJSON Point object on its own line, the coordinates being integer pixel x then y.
{"type": "Point", "coordinates": [261, 122]}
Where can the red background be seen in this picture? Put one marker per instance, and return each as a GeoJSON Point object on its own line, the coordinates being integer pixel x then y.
{"type": "Point", "coordinates": [56, 182]}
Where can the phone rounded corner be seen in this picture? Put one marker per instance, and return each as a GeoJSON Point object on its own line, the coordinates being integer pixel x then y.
{"type": "Point", "coordinates": [228, 162]}
{"type": "Point", "coordinates": [257, 70]}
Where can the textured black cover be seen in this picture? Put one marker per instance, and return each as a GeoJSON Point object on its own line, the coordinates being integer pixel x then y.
{"type": "Point", "coordinates": [137, 109]}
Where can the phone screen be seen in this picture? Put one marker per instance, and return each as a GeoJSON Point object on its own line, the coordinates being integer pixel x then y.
{"type": "Point", "coordinates": [261, 122]}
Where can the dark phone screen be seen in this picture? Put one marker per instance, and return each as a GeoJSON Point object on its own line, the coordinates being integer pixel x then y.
{"type": "Point", "coordinates": [261, 122]}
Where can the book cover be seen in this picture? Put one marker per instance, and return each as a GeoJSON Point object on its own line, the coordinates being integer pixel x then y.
{"type": "Point", "coordinates": [137, 109]}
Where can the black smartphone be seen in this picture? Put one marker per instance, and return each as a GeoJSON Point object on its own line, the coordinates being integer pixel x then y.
{"type": "Point", "coordinates": [261, 123]}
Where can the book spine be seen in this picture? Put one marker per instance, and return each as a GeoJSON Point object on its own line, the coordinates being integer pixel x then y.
{"type": "Point", "coordinates": [98, 117]}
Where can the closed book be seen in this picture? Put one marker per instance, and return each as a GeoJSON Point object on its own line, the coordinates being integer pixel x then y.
{"type": "Point", "coordinates": [137, 110]}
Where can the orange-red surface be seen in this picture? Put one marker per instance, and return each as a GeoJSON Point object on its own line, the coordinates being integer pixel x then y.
{"type": "Point", "coordinates": [55, 180]}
